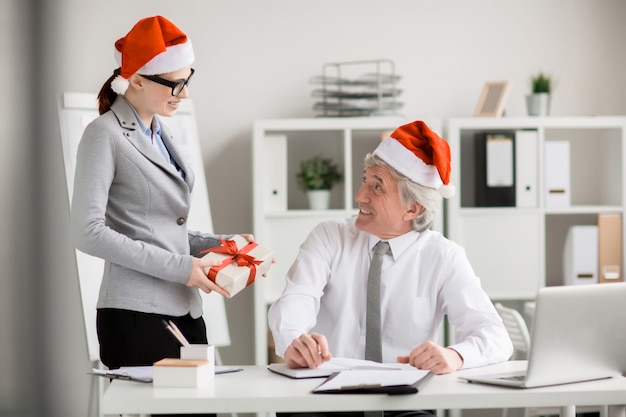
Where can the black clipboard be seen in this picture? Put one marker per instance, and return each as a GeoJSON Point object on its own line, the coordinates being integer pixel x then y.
{"type": "Point", "coordinates": [368, 386]}
{"type": "Point", "coordinates": [145, 373]}
{"type": "Point", "coordinates": [136, 374]}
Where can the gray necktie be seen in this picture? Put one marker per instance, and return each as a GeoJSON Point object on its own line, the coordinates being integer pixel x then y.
{"type": "Point", "coordinates": [373, 346]}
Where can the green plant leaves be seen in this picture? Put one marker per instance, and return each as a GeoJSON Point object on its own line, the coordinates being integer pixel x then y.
{"type": "Point", "coordinates": [541, 83]}
{"type": "Point", "coordinates": [318, 173]}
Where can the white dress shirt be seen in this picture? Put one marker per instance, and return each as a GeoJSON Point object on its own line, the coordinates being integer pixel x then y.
{"type": "Point", "coordinates": [424, 277]}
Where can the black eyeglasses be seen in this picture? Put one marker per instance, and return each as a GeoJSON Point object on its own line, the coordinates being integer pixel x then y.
{"type": "Point", "coordinates": [176, 86]}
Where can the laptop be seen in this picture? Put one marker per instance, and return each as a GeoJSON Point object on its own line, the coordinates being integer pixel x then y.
{"type": "Point", "coordinates": [578, 334]}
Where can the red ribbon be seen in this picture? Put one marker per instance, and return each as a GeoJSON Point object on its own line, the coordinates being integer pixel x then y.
{"type": "Point", "coordinates": [240, 256]}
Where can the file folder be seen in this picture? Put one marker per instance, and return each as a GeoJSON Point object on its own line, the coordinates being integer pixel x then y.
{"type": "Point", "coordinates": [526, 169]}
{"type": "Point", "coordinates": [495, 170]}
{"type": "Point", "coordinates": [609, 248]}
{"type": "Point", "coordinates": [557, 174]}
{"type": "Point", "coordinates": [580, 256]}
{"type": "Point", "coordinates": [275, 180]}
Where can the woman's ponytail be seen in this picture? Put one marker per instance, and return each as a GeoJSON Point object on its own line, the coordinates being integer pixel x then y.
{"type": "Point", "coordinates": [107, 96]}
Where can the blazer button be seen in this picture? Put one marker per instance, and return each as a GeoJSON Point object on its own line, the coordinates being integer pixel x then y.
{"type": "Point", "coordinates": [180, 221]}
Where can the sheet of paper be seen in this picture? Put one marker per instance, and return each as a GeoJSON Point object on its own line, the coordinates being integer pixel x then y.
{"type": "Point", "coordinates": [349, 363]}
{"type": "Point", "coordinates": [330, 367]}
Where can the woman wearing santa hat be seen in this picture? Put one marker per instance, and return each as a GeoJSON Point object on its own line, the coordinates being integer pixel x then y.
{"type": "Point", "coordinates": [132, 195]}
{"type": "Point", "coordinates": [328, 307]}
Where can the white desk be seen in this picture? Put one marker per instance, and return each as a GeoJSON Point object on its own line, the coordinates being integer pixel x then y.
{"type": "Point", "coordinates": [256, 389]}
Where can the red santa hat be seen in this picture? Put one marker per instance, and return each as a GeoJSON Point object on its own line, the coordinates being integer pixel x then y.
{"type": "Point", "coordinates": [420, 154]}
{"type": "Point", "coordinates": [153, 46]}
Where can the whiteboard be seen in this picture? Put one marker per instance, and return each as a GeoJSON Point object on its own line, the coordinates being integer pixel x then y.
{"type": "Point", "coordinates": [76, 111]}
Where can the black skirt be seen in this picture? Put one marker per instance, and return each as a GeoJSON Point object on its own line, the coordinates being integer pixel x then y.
{"type": "Point", "coordinates": [132, 338]}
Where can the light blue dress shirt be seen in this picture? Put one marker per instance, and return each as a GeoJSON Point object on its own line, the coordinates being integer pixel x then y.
{"type": "Point", "coordinates": [153, 133]}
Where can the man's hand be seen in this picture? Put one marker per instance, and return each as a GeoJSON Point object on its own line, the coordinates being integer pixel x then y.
{"type": "Point", "coordinates": [250, 239]}
{"type": "Point", "coordinates": [307, 351]}
{"type": "Point", "coordinates": [431, 357]}
{"type": "Point", "coordinates": [198, 277]}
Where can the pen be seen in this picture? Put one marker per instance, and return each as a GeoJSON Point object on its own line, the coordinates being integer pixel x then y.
{"type": "Point", "coordinates": [180, 334]}
{"type": "Point", "coordinates": [175, 332]}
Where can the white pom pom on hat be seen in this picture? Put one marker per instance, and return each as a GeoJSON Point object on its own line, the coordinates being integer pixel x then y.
{"type": "Point", "coordinates": [153, 46]}
{"type": "Point", "coordinates": [420, 154]}
{"type": "Point", "coordinates": [119, 85]}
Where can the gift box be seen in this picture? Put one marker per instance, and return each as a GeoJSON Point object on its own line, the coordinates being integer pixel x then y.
{"type": "Point", "coordinates": [185, 373]}
{"type": "Point", "coordinates": [242, 262]}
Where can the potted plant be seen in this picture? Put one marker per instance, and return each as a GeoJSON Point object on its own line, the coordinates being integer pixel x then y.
{"type": "Point", "coordinates": [538, 102]}
{"type": "Point", "coordinates": [316, 177]}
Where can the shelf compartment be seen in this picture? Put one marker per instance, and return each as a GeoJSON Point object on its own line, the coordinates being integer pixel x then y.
{"type": "Point", "coordinates": [557, 227]}
{"type": "Point", "coordinates": [596, 164]}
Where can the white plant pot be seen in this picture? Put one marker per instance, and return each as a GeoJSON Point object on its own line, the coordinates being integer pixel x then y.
{"type": "Point", "coordinates": [538, 104]}
{"type": "Point", "coordinates": [319, 199]}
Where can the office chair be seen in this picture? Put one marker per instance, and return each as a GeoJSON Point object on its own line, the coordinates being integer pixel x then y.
{"type": "Point", "coordinates": [517, 329]}
{"type": "Point", "coordinates": [520, 336]}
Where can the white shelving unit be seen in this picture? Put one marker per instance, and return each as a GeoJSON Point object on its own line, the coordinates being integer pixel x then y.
{"type": "Point", "coordinates": [516, 250]}
{"type": "Point", "coordinates": [281, 217]}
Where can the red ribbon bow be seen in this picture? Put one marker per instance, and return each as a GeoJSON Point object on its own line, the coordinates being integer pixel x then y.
{"type": "Point", "coordinates": [240, 256]}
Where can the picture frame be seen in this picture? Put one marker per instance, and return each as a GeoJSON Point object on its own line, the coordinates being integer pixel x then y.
{"type": "Point", "coordinates": [492, 99]}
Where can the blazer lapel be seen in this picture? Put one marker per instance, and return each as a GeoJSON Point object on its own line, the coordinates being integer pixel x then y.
{"type": "Point", "coordinates": [178, 155]}
{"type": "Point", "coordinates": [127, 120]}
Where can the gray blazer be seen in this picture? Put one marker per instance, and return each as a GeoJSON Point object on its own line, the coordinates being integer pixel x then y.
{"type": "Point", "coordinates": [130, 208]}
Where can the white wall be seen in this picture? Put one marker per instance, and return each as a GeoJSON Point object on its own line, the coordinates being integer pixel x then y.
{"type": "Point", "coordinates": [254, 59]}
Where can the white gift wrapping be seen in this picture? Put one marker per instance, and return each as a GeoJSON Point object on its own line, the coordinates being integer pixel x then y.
{"type": "Point", "coordinates": [242, 263]}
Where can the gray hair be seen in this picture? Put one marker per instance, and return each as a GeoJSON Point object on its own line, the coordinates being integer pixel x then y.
{"type": "Point", "coordinates": [412, 192]}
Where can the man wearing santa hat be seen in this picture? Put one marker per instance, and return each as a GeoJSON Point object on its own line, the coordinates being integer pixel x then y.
{"type": "Point", "coordinates": [323, 310]}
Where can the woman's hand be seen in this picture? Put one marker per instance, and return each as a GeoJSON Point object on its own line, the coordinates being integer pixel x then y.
{"type": "Point", "coordinates": [198, 277]}
{"type": "Point", "coordinates": [249, 237]}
